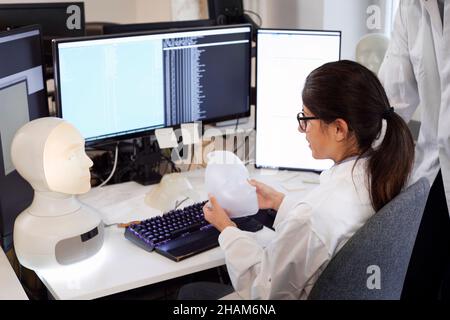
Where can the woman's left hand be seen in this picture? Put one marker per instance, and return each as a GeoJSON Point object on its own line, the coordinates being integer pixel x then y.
{"type": "Point", "coordinates": [216, 215]}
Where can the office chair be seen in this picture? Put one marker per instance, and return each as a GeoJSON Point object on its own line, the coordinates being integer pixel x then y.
{"type": "Point", "coordinates": [381, 248]}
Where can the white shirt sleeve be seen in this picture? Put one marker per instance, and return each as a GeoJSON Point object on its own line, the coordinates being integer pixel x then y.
{"type": "Point", "coordinates": [282, 269]}
{"type": "Point", "coordinates": [287, 205]}
{"type": "Point", "coordinates": [396, 72]}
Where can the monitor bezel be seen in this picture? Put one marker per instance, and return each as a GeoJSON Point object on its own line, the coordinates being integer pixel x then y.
{"type": "Point", "coordinates": [144, 133]}
{"type": "Point", "coordinates": [261, 30]}
{"type": "Point", "coordinates": [155, 26]}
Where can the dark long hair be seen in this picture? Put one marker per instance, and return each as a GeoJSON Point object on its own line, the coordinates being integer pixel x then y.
{"type": "Point", "coordinates": [349, 91]}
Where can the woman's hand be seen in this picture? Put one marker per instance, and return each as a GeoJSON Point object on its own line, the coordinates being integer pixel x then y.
{"type": "Point", "coordinates": [268, 197]}
{"type": "Point", "coordinates": [216, 215]}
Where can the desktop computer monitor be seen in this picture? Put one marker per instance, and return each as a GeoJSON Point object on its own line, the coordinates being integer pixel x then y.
{"type": "Point", "coordinates": [137, 27]}
{"type": "Point", "coordinates": [23, 97]}
{"type": "Point", "coordinates": [120, 86]}
{"type": "Point", "coordinates": [61, 19]}
{"type": "Point", "coordinates": [284, 60]}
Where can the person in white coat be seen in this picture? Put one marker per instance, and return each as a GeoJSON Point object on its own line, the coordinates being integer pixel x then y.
{"type": "Point", "coordinates": [416, 72]}
{"type": "Point", "coordinates": [344, 108]}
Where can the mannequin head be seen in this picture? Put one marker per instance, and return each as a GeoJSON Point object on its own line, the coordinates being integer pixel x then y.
{"type": "Point", "coordinates": [49, 154]}
{"type": "Point", "coordinates": [371, 49]}
{"type": "Point", "coordinates": [226, 178]}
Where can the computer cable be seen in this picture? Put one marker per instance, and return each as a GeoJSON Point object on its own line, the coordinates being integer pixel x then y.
{"type": "Point", "coordinates": [243, 143]}
{"type": "Point", "coordinates": [259, 24]}
{"type": "Point", "coordinates": [173, 165]}
{"type": "Point", "coordinates": [113, 169]}
{"type": "Point", "coordinates": [177, 204]}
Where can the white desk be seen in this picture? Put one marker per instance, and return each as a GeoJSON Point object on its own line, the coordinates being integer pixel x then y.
{"type": "Point", "coordinates": [121, 265]}
{"type": "Point", "coordinates": [10, 287]}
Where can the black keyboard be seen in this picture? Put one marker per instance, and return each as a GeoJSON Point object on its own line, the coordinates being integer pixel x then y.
{"type": "Point", "coordinates": [182, 233]}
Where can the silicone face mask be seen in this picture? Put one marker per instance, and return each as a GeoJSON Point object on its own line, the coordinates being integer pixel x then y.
{"type": "Point", "coordinates": [172, 188]}
{"type": "Point", "coordinates": [226, 178]}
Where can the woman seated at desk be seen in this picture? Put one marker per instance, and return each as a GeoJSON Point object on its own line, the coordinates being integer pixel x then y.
{"type": "Point", "coordinates": [345, 113]}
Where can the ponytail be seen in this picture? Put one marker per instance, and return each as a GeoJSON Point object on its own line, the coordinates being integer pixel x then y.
{"type": "Point", "coordinates": [390, 164]}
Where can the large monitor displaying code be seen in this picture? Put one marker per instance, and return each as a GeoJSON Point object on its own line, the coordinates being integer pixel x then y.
{"type": "Point", "coordinates": [120, 86]}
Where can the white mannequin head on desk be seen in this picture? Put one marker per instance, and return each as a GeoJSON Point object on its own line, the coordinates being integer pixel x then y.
{"type": "Point", "coordinates": [56, 228]}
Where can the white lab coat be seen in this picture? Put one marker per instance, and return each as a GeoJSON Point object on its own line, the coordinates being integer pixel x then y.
{"type": "Point", "coordinates": [308, 233]}
{"type": "Point", "coordinates": [416, 71]}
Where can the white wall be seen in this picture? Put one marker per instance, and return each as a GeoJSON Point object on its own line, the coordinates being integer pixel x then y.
{"type": "Point", "coordinates": [128, 11]}
{"type": "Point", "coordinates": [186, 9]}
{"type": "Point", "coordinates": [292, 14]}
{"type": "Point", "coordinates": [283, 14]}
{"type": "Point", "coordinates": [120, 11]}
{"type": "Point", "coordinates": [311, 14]}
{"type": "Point", "coordinates": [110, 10]}
{"type": "Point", "coordinates": [152, 10]}
{"type": "Point", "coordinates": [349, 16]}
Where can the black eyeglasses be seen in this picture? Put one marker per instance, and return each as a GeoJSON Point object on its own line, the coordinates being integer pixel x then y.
{"type": "Point", "coordinates": [303, 121]}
